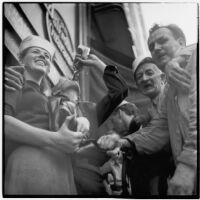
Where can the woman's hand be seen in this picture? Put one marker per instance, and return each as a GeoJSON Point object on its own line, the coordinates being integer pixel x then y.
{"type": "Point", "coordinates": [83, 125]}
{"type": "Point", "coordinates": [68, 140]}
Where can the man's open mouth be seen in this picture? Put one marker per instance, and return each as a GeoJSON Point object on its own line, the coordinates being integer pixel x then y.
{"type": "Point", "coordinates": [147, 86]}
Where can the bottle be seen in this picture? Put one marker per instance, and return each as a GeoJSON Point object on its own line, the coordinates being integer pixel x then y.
{"type": "Point", "coordinates": [84, 52]}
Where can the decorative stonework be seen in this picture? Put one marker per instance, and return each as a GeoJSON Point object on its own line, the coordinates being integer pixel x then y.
{"type": "Point", "coordinates": [16, 20]}
{"type": "Point", "coordinates": [59, 35]}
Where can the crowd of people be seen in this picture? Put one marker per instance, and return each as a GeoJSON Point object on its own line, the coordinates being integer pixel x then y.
{"type": "Point", "coordinates": [49, 149]}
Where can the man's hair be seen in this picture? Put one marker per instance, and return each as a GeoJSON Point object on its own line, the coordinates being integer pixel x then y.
{"type": "Point", "coordinates": [144, 61]}
{"type": "Point", "coordinates": [128, 108]}
{"type": "Point", "coordinates": [176, 30]}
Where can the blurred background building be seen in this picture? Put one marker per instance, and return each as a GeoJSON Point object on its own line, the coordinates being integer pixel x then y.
{"type": "Point", "coordinates": [115, 32]}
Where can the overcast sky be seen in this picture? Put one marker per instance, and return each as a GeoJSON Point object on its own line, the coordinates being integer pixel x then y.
{"type": "Point", "coordinates": [182, 14]}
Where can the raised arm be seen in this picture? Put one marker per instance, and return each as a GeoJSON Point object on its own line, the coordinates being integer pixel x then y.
{"type": "Point", "coordinates": [116, 85]}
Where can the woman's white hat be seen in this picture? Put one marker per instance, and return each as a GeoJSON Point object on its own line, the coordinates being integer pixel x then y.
{"type": "Point", "coordinates": [37, 41]}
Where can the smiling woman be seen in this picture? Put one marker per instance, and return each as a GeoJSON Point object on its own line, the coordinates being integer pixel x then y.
{"type": "Point", "coordinates": [37, 62]}
{"type": "Point", "coordinates": [36, 162]}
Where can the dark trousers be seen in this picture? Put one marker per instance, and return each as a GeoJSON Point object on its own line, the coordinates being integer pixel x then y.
{"type": "Point", "coordinates": [142, 168]}
{"type": "Point", "coordinates": [88, 182]}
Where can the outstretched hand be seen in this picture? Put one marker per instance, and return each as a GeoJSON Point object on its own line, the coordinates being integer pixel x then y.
{"type": "Point", "coordinates": [91, 61]}
{"type": "Point", "coordinates": [108, 142]}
